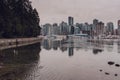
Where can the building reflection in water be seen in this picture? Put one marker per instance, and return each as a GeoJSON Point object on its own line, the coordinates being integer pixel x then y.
{"type": "Point", "coordinates": [63, 49]}
{"type": "Point", "coordinates": [46, 44]}
{"type": "Point", "coordinates": [118, 46]}
{"type": "Point", "coordinates": [51, 44]}
{"type": "Point", "coordinates": [71, 51]}
{"type": "Point", "coordinates": [19, 63]}
{"type": "Point", "coordinates": [96, 51]}
{"type": "Point", "coordinates": [110, 46]}
{"type": "Point", "coordinates": [96, 47]}
{"type": "Point", "coordinates": [55, 45]}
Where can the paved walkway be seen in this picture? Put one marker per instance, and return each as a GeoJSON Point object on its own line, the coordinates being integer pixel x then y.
{"type": "Point", "coordinates": [8, 43]}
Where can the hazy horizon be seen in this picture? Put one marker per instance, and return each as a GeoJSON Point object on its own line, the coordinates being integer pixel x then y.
{"type": "Point", "coordinates": [55, 11]}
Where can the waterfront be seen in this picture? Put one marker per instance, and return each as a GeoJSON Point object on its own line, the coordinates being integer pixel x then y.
{"type": "Point", "coordinates": [60, 60]}
{"type": "Point", "coordinates": [11, 43]}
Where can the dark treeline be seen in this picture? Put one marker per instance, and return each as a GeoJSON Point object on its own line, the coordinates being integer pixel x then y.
{"type": "Point", "coordinates": [18, 19]}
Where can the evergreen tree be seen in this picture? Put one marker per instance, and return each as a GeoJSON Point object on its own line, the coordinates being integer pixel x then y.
{"type": "Point", "coordinates": [18, 19]}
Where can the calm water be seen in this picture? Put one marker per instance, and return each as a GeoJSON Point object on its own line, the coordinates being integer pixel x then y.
{"type": "Point", "coordinates": [60, 60]}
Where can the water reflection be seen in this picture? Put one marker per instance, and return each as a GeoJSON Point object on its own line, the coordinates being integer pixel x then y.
{"type": "Point", "coordinates": [84, 62]}
{"type": "Point", "coordinates": [118, 46]}
{"type": "Point", "coordinates": [71, 51]}
{"type": "Point", "coordinates": [24, 63]}
{"type": "Point", "coordinates": [55, 45]}
{"type": "Point", "coordinates": [64, 46]}
{"type": "Point", "coordinates": [18, 63]}
{"type": "Point", "coordinates": [110, 46]}
{"type": "Point", "coordinates": [112, 65]}
{"type": "Point", "coordinates": [96, 51]}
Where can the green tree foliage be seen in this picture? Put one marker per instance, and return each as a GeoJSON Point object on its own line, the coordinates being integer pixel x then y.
{"type": "Point", "coordinates": [18, 19]}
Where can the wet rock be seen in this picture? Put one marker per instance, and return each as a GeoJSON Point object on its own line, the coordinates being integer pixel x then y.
{"type": "Point", "coordinates": [107, 73]}
{"type": "Point", "coordinates": [116, 74]}
{"type": "Point", "coordinates": [111, 62]}
{"type": "Point", "coordinates": [101, 70]}
{"type": "Point", "coordinates": [117, 65]}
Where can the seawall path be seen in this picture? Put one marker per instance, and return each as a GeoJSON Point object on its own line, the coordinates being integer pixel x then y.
{"type": "Point", "coordinates": [9, 43]}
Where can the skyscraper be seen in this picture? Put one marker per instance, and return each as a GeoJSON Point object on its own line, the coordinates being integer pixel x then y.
{"type": "Point", "coordinates": [118, 30]}
{"type": "Point", "coordinates": [71, 24]}
{"type": "Point", "coordinates": [110, 27]}
{"type": "Point", "coordinates": [64, 28]}
{"type": "Point", "coordinates": [95, 22]}
{"type": "Point", "coordinates": [55, 28]}
{"type": "Point", "coordinates": [118, 24]}
{"type": "Point", "coordinates": [70, 21]}
{"type": "Point", "coordinates": [47, 29]}
{"type": "Point", "coordinates": [99, 29]}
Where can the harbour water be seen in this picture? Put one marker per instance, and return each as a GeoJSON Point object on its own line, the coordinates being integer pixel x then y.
{"type": "Point", "coordinates": [61, 60]}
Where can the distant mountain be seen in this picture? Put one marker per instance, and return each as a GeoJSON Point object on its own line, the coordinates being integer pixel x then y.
{"type": "Point", "coordinates": [18, 19]}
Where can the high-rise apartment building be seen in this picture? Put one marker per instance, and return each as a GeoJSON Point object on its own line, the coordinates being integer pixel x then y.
{"type": "Point", "coordinates": [95, 22]}
{"type": "Point", "coordinates": [99, 29]}
{"type": "Point", "coordinates": [118, 24]}
{"type": "Point", "coordinates": [55, 29]}
{"type": "Point", "coordinates": [64, 28]}
{"type": "Point", "coordinates": [110, 27]}
{"type": "Point", "coordinates": [47, 29]}
{"type": "Point", "coordinates": [71, 24]}
{"type": "Point", "coordinates": [118, 30]}
{"type": "Point", "coordinates": [70, 21]}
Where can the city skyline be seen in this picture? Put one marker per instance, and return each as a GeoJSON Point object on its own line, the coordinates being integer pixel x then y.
{"type": "Point", "coordinates": [95, 30]}
{"type": "Point", "coordinates": [82, 10]}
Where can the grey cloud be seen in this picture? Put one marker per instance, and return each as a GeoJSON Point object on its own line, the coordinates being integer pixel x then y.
{"type": "Point", "coordinates": [86, 10]}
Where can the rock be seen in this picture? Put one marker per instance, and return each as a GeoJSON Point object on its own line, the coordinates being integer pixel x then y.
{"type": "Point", "coordinates": [101, 70]}
{"type": "Point", "coordinates": [107, 73]}
{"type": "Point", "coordinates": [117, 65]}
{"type": "Point", "coordinates": [116, 74]}
{"type": "Point", "coordinates": [111, 62]}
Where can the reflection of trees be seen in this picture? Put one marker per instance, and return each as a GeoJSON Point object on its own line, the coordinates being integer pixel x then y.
{"type": "Point", "coordinates": [25, 54]}
{"type": "Point", "coordinates": [19, 63]}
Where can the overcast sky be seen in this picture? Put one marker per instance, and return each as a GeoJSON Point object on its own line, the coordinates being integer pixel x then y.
{"type": "Point", "coordinates": [51, 11]}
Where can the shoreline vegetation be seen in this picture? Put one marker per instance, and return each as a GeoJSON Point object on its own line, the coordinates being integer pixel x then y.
{"type": "Point", "coordinates": [18, 19]}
